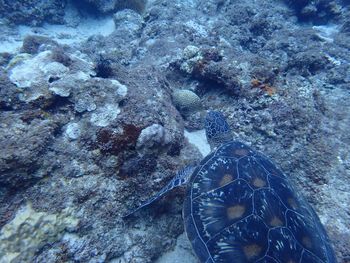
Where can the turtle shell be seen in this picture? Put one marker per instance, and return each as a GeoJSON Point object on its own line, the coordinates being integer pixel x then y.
{"type": "Point", "coordinates": [240, 207]}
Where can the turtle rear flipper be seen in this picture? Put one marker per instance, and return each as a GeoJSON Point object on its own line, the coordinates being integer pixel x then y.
{"type": "Point", "coordinates": [180, 178]}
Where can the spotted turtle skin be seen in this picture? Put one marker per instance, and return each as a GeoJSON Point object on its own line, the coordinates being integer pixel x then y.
{"type": "Point", "coordinates": [240, 207]}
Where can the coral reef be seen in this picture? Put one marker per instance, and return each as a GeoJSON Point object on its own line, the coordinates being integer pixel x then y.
{"type": "Point", "coordinates": [25, 144]}
{"type": "Point", "coordinates": [206, 66]}
{"type": "Point", "coordinates": [111, 142]}
{"type": "Point", "coordinates": [33, 43]}
{"type": "Point", "coordinates": [90, 124]}
{"type": "Point", "coordinates": [8, 94]}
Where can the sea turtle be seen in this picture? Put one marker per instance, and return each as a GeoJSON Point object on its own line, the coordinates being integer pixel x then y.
{"type": "Point", "coordinates": [239, 207]}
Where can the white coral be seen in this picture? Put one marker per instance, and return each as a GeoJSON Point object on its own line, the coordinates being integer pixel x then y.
{"type": "Point", "coordinates": [36, 70]}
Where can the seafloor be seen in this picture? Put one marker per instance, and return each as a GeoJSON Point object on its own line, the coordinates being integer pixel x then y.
{"type": "Point", "coordinates": [90, 125]}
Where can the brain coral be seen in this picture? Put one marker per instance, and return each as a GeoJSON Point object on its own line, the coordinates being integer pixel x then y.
{"type": "Point", "coordinates": [186, 101]}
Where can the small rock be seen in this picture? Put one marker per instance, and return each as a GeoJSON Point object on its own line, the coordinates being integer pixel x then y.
{"type": "Point", "coordinates": [152, 136]}
{"type": "Point", "coordinates": [73, 131]}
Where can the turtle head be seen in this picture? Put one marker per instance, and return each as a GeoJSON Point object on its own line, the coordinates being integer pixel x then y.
{"type": "Point", "coordinates": [217, 129]}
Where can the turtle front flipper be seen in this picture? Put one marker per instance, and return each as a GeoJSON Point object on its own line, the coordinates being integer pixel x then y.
{"type": "Point", "coordinates": [180, 178]}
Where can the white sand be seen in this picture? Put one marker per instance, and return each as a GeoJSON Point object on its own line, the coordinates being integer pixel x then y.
{"type": "Point", "coordinates": [78, 29]}
{"type": "Point", "coordinates": [198, 139]}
